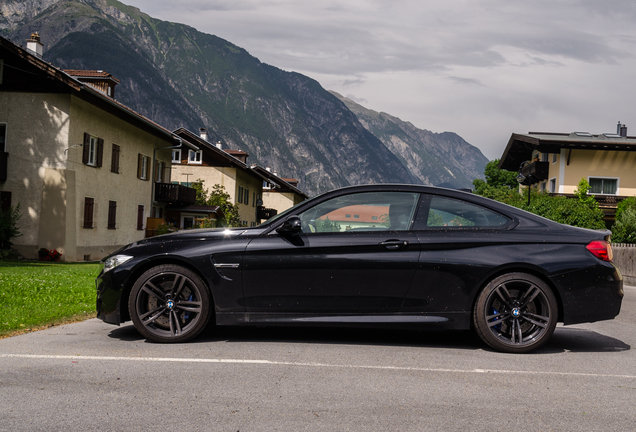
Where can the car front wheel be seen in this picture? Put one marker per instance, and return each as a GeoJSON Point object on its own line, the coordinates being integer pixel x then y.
{"type": "Point", "coordinates": [169, 303]}
{"type": "Point", "coordinates": [515, 313]}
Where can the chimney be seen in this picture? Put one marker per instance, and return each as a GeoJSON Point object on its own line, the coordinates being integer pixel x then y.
{"type": "Point", "coordinates": [623, 131]}
{"type": "Point", "coordinates": [219, 145]}
{"type": "Point", "coordinates": [268, 169]}
{"type": "Point", "coordinates": [34, 45]}
{"type": "Point", "coordinates": [203, 133]}
{"type": "Point", "coordinates": [275, 173]}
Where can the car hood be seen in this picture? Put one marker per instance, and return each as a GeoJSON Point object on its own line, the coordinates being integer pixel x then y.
{"type": "Point", "coordinates": [190, 235]}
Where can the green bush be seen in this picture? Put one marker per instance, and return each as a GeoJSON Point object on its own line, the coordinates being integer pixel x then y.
{"type": "Point", "coordinates": [9, 226]}
{"type": "Point", "coordinates": [624, 229]}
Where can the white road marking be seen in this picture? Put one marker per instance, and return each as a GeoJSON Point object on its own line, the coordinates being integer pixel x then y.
{"type": "Point", "coordinates": [319, 365]}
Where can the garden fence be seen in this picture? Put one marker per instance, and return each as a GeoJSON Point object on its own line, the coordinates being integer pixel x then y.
{"type": "Point", "coordinates": [625, 260]}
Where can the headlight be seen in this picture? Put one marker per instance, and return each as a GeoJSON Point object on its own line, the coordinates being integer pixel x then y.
{"type": "Point", "coordinates": [115, 261]}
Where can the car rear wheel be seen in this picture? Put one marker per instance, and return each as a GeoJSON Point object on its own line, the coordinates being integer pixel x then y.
{"type": "Point", "coordinates": [169, 303]}
{"type": "Point", "coordinates": [515, 313]}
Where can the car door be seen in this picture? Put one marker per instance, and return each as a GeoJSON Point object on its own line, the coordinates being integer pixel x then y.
{"type": "Point", "coordinates": [354, 254]}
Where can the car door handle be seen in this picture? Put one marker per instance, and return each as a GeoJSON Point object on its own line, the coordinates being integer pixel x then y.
{"type": "Point", "coordinates": [394, 244]}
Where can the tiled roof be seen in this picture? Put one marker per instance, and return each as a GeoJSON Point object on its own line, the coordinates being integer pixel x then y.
{"type": "Point", "coordinates": [89, 74]}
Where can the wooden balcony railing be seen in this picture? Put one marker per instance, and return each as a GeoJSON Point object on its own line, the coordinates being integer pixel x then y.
{"type": "Point", "coordinates": [174, 193]}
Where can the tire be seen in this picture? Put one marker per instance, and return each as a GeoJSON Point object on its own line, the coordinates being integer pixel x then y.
{"type": "Point", "coordinates": [515, 313]}
{"type": "Point", "coordinates": [169, 304]}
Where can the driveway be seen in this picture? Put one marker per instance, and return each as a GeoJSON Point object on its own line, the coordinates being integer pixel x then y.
{"type": "Point", "coordinates": [94, 376]}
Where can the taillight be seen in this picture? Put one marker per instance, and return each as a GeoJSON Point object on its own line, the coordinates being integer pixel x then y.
{"type": "Point", "coordinates": [600, 249]}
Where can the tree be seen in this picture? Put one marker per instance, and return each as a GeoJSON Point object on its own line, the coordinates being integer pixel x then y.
{"type": "Point", "coordinates": [218, 197]}
{"type": "Point", "coordinates": [498, 183]}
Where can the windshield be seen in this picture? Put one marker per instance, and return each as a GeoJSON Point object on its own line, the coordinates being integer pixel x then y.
{"type": "Point", "coordinates": [283, 214]}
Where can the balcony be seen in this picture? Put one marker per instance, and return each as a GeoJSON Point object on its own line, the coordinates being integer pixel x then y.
{"type": "Point", "coordinates": [265, 213]}
{"type": "Point", "coordinates": [174, 193]}
{"type": "Point", "coordinates": [535, 171]}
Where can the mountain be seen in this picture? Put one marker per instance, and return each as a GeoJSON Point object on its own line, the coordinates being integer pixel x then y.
{"type": "Point", "coordinates": [180, 77]}
{"type": "Point", "coordinates": [439, 159]}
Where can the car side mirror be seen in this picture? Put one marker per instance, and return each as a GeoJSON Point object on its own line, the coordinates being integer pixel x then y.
{"type": "Point", "coordinates": [291, 226]}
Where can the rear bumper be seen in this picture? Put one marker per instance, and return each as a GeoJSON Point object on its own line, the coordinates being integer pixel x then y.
{"type": "Point", "coordinates": [592, 294]}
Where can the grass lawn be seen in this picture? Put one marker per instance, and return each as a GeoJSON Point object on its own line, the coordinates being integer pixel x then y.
{"type": "Point", "coordinates": [37, 294]}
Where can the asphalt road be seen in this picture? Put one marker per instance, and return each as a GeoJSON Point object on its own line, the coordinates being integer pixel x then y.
{"type": "Point", "coordinates": [94, 376]}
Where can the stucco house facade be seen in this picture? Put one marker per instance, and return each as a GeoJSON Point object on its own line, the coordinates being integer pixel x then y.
{"type": "Point", "coordinates": [86, 170]}
{"type": "Point", "coordinates": [279, 193]}
{"type": "Point", "coordinates": [556, 162]}
{"type": "Point", "coordinates": [258, 192]}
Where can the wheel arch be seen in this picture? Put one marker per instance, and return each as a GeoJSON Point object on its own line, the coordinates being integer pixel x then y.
{"type": "Point", "coordinates": [147, 265]}
{"type": "Point", "coordinates": [517, 269]}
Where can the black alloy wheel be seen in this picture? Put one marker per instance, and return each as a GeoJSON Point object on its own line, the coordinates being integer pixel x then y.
{"type": "Point", "coordinates": [515, 313]}
{"type": "Point", "coordinates": [169, 303]}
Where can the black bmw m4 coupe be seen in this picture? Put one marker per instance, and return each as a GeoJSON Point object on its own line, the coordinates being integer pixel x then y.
{"type": "Point", "coordinates": [377, 255]}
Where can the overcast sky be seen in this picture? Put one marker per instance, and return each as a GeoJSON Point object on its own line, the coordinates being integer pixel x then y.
{"type": "Point", "coordinates": [481, 68]}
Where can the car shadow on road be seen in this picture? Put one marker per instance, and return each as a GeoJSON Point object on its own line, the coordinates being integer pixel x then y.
{"type": "Point", "coordinates": [582, 340]}
{"type": "Point", "coordinates": [563, 340]}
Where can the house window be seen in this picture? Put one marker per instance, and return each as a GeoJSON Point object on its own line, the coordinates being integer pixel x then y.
{"type": "Point", "coordinates": [552, 185]}
{"type": "Point", "coordinates": [159, 172]}
{"type": "Point", "coordinates": [93, 151]}
{"type": "Point", "coordinates": [544, 157]}
{"type": "Point", "coordinates": [603, 186]}
{"type": "Point", "coordinates": [89, 206]}
{"type": "Point", "coordinates": [194, 157]}
{"type": "Point", "coordinates": [176, 156]}
{"type": "Point", "coordinates": [143, 162]}
{"type": "Point", "coordinates": [112, 214]}
{"type": "Point", "coordinates": [140, 217]}
{"type": "Point", "coordinates": [247, 197]}
{"type": "Point", "coordinates": [240, 194]}
{"type": "Point", "coordinates": [554, 157]}
{"type": "Point", "coordinates": [254, 199]}
{"type": "Point", "coordinates": [114, 162]}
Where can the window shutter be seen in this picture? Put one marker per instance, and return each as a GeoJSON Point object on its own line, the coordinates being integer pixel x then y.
{"type": "Point", "coordinates": [85, 148]}
{"type": "Point", "coordinates": [100, 152]}
{"type": "Point", "coordinates": [112, 214]}
{"type": "Point", "coordinates": [139, 164]}
{"type": "Point", "coordinates": [140, 217]}
{"type": "Point", "coordinates": [114, 165]}
{"type": "Point", "coordinates": [88, 212]}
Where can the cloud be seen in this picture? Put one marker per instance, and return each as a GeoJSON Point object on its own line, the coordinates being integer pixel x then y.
{"type": "Point", "coordinates": [460, 80]}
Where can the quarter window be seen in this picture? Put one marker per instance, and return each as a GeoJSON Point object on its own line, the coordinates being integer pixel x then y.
{"type": "Point", "coordinates": [452, 213]}
{"type": "Point", "coordinates": [603, 186]}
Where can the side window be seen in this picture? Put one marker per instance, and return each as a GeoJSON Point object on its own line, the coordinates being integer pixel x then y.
{"type": "Point", "coordinates": [453, 213]}
{"type": "Point", "coordinates": [370, 211]}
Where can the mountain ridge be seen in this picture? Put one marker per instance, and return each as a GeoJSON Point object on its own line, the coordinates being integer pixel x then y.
{"type": "Point", "coordinates": [180, 77]}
